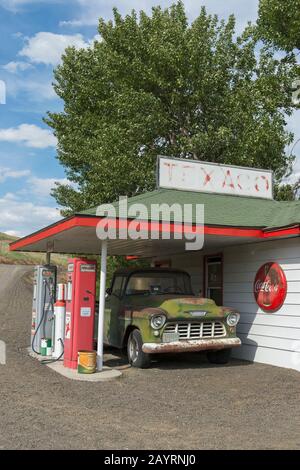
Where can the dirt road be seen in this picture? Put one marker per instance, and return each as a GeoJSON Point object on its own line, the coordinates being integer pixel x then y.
{"type": "Point", "coordinates": [180, 403]}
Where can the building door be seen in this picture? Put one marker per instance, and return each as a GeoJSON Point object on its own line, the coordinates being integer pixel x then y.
{"type": "Point", "coordinates": [213, 279]}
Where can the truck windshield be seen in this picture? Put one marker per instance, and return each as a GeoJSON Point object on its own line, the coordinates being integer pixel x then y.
{"type": "Point", "coordinates": [158, 283]}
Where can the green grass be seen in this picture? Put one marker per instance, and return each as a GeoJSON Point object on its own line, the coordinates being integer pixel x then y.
{"type": "Point", "coordinates": [15, 257]}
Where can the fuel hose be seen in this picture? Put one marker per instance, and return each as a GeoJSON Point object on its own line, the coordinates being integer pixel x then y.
{"type": "Point", "coordinates": [43, 316]}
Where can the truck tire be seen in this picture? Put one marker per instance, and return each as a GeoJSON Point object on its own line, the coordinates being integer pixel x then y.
{"type": "Point", "coordinates": [136, 356]}
{"type": "Point", "coordinates": [219, 357]}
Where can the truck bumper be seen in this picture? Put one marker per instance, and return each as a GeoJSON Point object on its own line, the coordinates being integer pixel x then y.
{"type": "Point", "coordinates": [191, 345]}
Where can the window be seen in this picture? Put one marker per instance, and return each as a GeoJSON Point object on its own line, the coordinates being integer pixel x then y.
{"type": "Point", "coordinates": [214, 278]}
{"type": "Point", "coordinates": [165, 263]}
{"type": "Point", "coordinates": [117, 287]}
{"type": "Point", "coordinates": [159, 283]}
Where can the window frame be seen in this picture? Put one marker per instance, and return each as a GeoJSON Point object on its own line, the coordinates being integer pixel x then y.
{"type": "Point", "coordinates": [159, 271]}
{"type": "Point", "coordinates": [122, 285]}
{"type": "Point", "coordinates": [205, 273]}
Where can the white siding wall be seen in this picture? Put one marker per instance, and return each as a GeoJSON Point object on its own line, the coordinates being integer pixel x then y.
{"type": "Point", "coordinates": [193, 264]}
{"type": "Point", "coordinates": [271, 338]}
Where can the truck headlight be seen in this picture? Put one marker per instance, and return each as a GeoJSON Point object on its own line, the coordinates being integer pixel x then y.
{"type": "Point", "coordinates": [158, 321]}
{"type": "Point", "coordinates": [233, 318]}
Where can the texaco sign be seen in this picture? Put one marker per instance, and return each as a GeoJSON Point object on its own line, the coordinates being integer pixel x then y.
{"type": "Point", "coordinates": [270, 287]}
{"type": "Point", "coordinates": [191, 175]}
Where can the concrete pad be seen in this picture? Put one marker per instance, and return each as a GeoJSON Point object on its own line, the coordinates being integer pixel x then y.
{"type": "Point", "coordinates": [105, 375]}
{"type": "Point", "coordinates": [38, 356]}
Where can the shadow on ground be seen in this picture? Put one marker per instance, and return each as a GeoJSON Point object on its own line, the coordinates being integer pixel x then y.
{"type": "Point", "coordinates": [118, 359]}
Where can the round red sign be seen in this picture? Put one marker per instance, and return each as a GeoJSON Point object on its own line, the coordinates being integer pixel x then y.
{"type": "Point", "coordinates": [270, 287]}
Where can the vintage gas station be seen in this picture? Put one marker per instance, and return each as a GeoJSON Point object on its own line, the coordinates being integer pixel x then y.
{"type": "Point", "coordinates": [249, 261]}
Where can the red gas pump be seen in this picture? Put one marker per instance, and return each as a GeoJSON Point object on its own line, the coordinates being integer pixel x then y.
{"type": "Point", "coordinates": [80, 309]}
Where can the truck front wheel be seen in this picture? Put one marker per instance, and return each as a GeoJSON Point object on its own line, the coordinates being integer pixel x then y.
{"type": "Point", "coordinates": [219, 357]}
{"type": "Point", "coordinates": [136, 356]}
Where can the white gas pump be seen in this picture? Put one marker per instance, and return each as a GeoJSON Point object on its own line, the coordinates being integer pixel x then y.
{"type": "Point", "coordinates": [44, 293]}
{"type": "Point", "coordinates": [59, 322]}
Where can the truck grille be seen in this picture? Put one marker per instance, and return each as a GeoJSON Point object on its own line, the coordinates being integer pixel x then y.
{"type": "Point", "coordinates": [191, 330]}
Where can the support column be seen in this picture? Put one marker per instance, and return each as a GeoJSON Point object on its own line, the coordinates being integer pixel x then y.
{"type": "Point", "coordinates": [48, 258]}
{"type": "Point", "coordinates": [102, 293]}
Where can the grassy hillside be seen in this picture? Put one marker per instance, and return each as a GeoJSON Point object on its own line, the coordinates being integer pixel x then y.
{"type": "Point", "coordinates": [11, 257]}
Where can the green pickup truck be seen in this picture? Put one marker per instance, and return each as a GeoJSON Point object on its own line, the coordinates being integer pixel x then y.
{"type": "Point", "coordinates": [154, 310]}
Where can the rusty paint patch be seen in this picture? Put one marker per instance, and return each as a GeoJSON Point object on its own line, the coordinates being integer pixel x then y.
{"type": "Point", "coordinates": [146, 312]}
{"type": "Point", "coordinates": [194, 301]}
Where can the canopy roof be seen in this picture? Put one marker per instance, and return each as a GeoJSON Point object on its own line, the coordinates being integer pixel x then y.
{"type": "Point", "coordinates": [222, 209]}
{"type": "Point", "coordinates": [227, 220]}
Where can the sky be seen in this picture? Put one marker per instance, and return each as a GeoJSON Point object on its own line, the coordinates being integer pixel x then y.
{"type": "Point", "coordinates": [33, 35]}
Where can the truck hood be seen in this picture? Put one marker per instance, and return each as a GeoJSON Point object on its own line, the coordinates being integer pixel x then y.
{"type": "Point", "coordinates": [179, 307]}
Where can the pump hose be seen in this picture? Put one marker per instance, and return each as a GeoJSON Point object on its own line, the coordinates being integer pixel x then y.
{"type": "Point", "coordinates": [43, 316]}
{"type": "Point", "coordinates": [39, 325]}
{"type": "Point", "coordinates": [51, 361]}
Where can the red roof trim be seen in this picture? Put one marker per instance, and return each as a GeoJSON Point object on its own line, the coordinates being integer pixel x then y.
{"type": "Point", "coordinates": [282, 232]}
{"type": "Point", "coordinates": [60, 226]}
{"type": "Point", "coordinates": [91, 221]}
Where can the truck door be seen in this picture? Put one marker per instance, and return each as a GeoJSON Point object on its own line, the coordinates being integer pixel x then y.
{"type": "Point", "coordinates": [112, 320]}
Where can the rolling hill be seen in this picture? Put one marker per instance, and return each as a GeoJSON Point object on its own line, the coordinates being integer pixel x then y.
{"type": "Point", "coordinates": [12, 257]}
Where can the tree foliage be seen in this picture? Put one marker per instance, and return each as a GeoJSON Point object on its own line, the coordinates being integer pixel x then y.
{"type": "Point", "coordinates": [279, 22]}
{"type": "Point", "coordinates": [159, 85]}
{"type": "Point", "coordinates": [285, 192]}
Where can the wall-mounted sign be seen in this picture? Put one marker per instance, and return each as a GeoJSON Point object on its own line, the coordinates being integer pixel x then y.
{"type": "Point", "coordinates": [191, 175]}
{"type": "Point", "coordinates": [85, 311]}
{"type": "Point", "coordinates": [87, 268]}
{"type": "Point", "coordinates": [270, 287]}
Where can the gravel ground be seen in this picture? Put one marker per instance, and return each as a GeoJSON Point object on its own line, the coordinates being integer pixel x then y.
{"type": "Point", "coordinates": [182, 402]}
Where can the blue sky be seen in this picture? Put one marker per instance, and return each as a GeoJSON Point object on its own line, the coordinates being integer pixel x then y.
{"type": "Point", "coordinates": [33, 34]}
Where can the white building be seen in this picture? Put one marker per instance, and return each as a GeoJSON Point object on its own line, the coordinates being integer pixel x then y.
{"type": "Point", "coordinates": [244, 230]}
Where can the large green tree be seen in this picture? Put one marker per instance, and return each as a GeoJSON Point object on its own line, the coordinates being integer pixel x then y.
{"type": "Point", "coordinates": [159, 85]}
{"type": "Point", "coordinates": [279, 22]}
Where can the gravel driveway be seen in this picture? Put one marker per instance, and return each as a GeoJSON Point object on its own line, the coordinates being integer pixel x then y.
{"type": "Point", "coordinates": [182, 402]}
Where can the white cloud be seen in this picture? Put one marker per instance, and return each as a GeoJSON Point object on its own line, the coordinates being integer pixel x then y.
{"type": "Point", "coordinates": [13, 233]}
{"type": "Point", "coordinates": [2, 92]}
{"type": "Point", "coordinates": [30, 135]}
{"type": "Point", "coordinates": [16, 5]}
{"type": "Point", "coordinates": [13, 4]}
{"type": "Point", "coordinates": [20, 218]}
{"type": "Point", "coordinates": [91, 10]}
{"type": "Point", "coordinates": [47, 48]}
{"type": "Point", "coordinates": [36, 87]}
{"type": "Point", "coordinates": [15, 67]}
{"type": "Point", "coordinates": [36, 90]}
{"type": "Point", "coordinates": [6, 173]}
{"type": "Point", "coordinates": [293, 125]}
{"type": "Point", "coordinates": [42, 186]}
{"type": "Point", "coordinates": [11, 196]}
